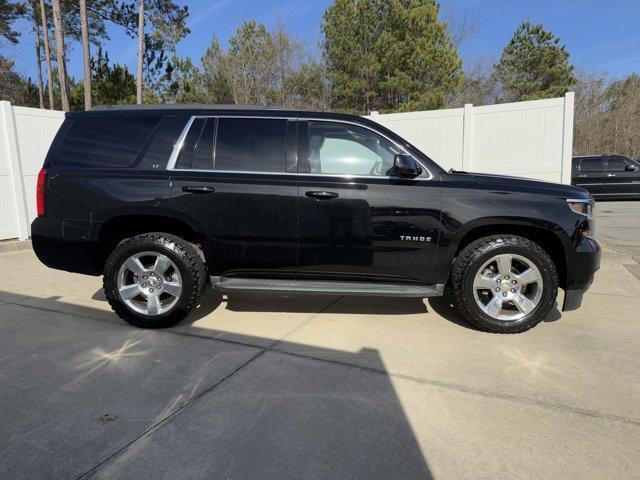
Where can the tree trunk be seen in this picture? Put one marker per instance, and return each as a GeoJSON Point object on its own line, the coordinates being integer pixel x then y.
{"type": "Point", "coordinates": [38, 60]}
{"type": "Point", "coordinates": [62, 70]}
{"type": "Point", "coordinates": [85, 54]}
{"type": "Point", "coordinates": [47, 52]}
{"type": "Point", "coordinates": [140, 51]}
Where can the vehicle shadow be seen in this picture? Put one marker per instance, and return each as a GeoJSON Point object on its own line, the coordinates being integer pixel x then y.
{"type": "Point", "coordinates": [299, 303]}
{"type": "Point", "coordinates": [277, 415]}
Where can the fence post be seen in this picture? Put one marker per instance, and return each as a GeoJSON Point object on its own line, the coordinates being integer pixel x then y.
{"type": "Point", "coordinates": [467, 137]}
{"type": "Point", "coordinates": [567, 137]}
{"type": "Point", "coordinates": [13, 153]}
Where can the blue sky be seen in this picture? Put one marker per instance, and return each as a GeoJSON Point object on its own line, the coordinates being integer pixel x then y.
{"type": "Point", "coordinates": [599, 35]}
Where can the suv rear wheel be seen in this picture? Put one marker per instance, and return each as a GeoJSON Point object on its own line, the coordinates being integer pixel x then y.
{"type": "Point", "coordinates": [154, 280]}
{"type": "Point", "coordinates": [504, 283]}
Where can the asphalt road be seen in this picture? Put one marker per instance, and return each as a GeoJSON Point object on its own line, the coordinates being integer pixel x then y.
{"type": "Point", "coordinates": [263, 386]}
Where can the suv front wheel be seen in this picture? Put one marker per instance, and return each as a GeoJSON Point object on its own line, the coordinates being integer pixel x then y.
{"type": "Point", "coordinates": [504, 283]}
{"type": "Point", "coordinates": [154, 280]}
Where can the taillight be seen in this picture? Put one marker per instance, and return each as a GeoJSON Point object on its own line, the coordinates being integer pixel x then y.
{"type": "Point", "coordinates": [42, 180]}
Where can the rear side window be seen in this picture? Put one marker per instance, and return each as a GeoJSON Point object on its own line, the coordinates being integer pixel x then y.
{"type": "Point", "coordinates": [250, 145]}
{"type": "Point", "coordinates": [591, 165]}
{"type": "Point", "coordinates": [99, 142]}
{"type": "Point", "coordinates": [197, 149]}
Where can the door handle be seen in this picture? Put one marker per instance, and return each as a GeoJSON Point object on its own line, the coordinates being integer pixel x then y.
{"type": "Point", "coordinates": [611, 174]}
{"type": "Point", "coordinates": [321, 195]}
{"type": "Point", "coordinates": [198, 189]}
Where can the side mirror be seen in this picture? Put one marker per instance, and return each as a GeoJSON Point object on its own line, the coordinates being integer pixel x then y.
{"type": "Point", "coordinates": [631, 168]}
{"type": "Point", "coordinates": [406, 166]}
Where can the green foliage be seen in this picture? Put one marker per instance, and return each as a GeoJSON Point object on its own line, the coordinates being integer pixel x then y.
{"type": "Point", "coordinates": [534, 65]}
{"type": "Point", "coordinates": [15, 88]}
{"type": "Point", "coordinates": [110, 84]}
{"type": "Point", "coordinates": [351, 30]}
{"type": "Point", "coordinates": [389, 55]}
{"type": "Point", "coordinates": [10, 11]}
{"type": "Point", "coordinates": [262, 68]}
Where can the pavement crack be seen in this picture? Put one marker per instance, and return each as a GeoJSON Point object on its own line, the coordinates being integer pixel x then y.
{"type": "Point", "coordinates": [170, 416]}
{"type": "Point", "coordinates": [304, 323]}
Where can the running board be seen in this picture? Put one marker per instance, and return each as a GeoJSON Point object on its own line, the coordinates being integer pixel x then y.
{"type": "Point", "coordinates": [233, 284]}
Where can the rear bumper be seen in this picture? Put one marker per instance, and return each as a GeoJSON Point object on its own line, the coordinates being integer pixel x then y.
{"type": "Point", "coordinates": [65, 245]}
{"type": "Point", "coordinates": [581, 270]}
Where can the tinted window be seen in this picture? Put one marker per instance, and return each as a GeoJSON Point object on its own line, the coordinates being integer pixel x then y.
{"type": "Point", "coordinates": [197, 148]}
{"type": "Point", "coordinates": [105, 141]}
{"type": "Point", "coordinates": [616, 164]}
{"type": "Point", "coordinates": [250, 145]}
{"type": "Point", "coordinates": [339, 148]}
{"type": "Point", "coordinates": [591, 165]}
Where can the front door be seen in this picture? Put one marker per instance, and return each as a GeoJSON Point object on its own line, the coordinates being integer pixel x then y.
{"type": "Point", "coordinates": [235, 178]}
{"type": "Point", "coordinates": [358, 221]}
{"type": "Point", "coordinates": [622, 179]}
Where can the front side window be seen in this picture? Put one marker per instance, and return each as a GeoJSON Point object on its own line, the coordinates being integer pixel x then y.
{"type": "Point", "coordinates": [345, 149]}
{"type": "Point", "coordinates": [616, 164]}
{"type": "Point", "coordinates": [250, 145]}
{"type": "Point", "coordinates": [591, 165]}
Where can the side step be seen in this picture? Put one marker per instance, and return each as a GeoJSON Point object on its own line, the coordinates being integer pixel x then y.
{"type": "Point", "coordinates": [268, 285]}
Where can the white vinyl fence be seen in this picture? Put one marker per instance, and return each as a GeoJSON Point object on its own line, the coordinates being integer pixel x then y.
{"type": "Point", "coordinates": [527, 139]}
{"type": "Point", "coordinates": [25, 136]}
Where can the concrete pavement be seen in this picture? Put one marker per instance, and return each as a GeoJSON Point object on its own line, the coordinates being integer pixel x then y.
{"type": "Point", "coordinates": [305, 387]}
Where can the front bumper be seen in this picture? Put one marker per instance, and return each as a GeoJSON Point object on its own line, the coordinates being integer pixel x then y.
{"type": "Point", "coordinates": [581, 270]}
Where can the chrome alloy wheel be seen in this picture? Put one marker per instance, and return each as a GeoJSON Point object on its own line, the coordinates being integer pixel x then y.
{"type": "Point", "coordinates": [507, 287]}
{"type": "Point", "coordinates": [149, 283]}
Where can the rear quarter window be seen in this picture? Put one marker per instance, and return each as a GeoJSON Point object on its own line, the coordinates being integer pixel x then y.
{"type": "Point", "coordinates": [99, 142]}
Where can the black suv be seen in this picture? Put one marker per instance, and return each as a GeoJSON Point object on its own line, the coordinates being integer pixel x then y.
{"type": "Point", "coordinates": [158, 200]}
{"type": "Point", "coordinates": [607, 176]}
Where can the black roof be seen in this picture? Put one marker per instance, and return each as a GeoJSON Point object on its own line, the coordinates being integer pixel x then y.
{"type": "Point", "coordinates": [193, 106]}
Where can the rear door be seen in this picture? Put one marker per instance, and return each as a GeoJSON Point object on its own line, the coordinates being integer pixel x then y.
{"type": "Point", "coordinates": [591, 174]}
{"type": "Point", "coordinates": [235, 178]}
{"type": "Point", "coordinates": [356, 221]}
{"type": "Point", "coordinates": [621, 181]}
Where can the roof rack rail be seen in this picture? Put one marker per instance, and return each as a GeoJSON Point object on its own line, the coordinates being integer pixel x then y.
{"type": "Point", "coordinates": [192, 106]}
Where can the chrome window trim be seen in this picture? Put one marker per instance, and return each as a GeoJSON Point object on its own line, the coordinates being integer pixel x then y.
{"type": "Point", "coordinates": [178, 146]}
{"type": "Point", "coordinates": [400, 147]}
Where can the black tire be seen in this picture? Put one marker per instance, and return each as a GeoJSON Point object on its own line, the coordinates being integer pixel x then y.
{"type": "Point", "coordinates": [473, 257]}
{"type": "Point", "coordinates": [185, 257]}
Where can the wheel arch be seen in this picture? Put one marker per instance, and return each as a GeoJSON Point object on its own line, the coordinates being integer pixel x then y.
{"type": "Point", "coordinates": [119, 228]}
{"type": "Point", "coordinates": [545, 234]}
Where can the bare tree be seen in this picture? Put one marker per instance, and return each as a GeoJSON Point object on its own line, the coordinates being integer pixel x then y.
{"type": "Point", "coordinates": [47, 53]}
{"type": "Point", "coordinates": [62, 70]}
{"type": "Point", "coordinates": [86, 54]}
{"type": "Point", "coordinates": [140, 51]}
{"type": "Point", "coordinates": [36, 28]}
{"type": "Point", "coordinates": [590, 118]}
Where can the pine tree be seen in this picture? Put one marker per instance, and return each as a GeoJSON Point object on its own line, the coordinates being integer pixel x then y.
{"type": "Point", "coordinates": [534, 65]}
{"type": "Point", "coordinates": [419, 63]}
{"type": "Point", "coordinates": [391, 55]}
{"type": "Point", "coordinates": [351, 29]}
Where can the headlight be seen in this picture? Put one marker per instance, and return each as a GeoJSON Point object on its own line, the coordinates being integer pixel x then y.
{"type": "Point", "coordinates": [584, 207]}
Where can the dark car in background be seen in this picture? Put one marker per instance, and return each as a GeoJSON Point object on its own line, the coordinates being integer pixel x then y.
{"type": "Point", "coordinates": [607, 176]}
